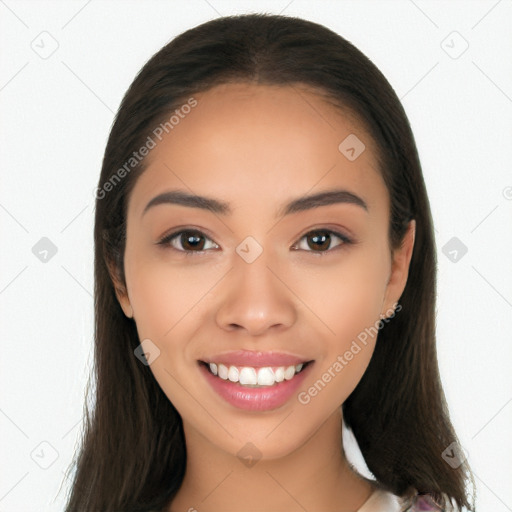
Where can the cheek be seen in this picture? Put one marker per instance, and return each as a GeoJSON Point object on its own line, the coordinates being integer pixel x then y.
{"type": "Point", "coordinates": [346, 301]}
{"type": "Point", "coordinates": [167, 303]}
{"type": "Point", "coordinates": [164, 295]}
{"type": "Point", "coordinates": [346, 297]}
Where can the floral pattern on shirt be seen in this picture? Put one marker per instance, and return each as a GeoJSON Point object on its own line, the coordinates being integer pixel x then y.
{"type": "Point", "coordinates": [423, 503]}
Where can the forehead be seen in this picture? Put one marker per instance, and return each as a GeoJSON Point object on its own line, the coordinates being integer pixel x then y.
{"type": "Point", "coordinates": [246, 142]}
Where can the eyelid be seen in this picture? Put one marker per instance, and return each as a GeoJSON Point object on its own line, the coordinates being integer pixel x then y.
{"type": "Point", "coordinates": [345, 239]}
{"type": "Point", "coordinates": [165, 240]}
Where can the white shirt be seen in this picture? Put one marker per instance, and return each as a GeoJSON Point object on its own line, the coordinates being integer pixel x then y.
{"type": "Point", "coordinates": [382, 501]}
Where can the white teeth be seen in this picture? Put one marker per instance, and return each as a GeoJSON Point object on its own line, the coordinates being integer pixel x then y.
{"type": "Point", "coordinates": [255, 377]}
{"type": "Point", "coordinates": [289, 372]}
{"type": "Point", "coordinates": [233, 374]}
{"type": "Point", "coordinates": [279, 373]}
{"type": "Point", "coordinates": [248, 376]}
{"type": "Point", "coordinates": [266, 377]}
{"type": "Point", "coordinates": [223, 371]}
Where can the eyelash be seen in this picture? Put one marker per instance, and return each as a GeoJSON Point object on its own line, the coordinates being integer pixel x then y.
{"type": "Point", "coordinates": [166, 240]}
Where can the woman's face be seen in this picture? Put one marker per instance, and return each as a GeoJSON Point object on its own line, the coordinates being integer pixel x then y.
{"type": "Point", "coordinates": [307, 282]}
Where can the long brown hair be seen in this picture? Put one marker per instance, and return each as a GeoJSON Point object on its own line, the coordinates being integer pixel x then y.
{"type": "Point", "coordinates": [133, 455]}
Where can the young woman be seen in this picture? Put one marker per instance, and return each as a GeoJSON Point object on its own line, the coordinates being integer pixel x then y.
{"type": "Point", "coordinates": [265, 272]}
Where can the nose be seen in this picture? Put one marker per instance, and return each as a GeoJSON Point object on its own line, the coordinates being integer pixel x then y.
{"type": "Point", "coordinates": [256, 298]}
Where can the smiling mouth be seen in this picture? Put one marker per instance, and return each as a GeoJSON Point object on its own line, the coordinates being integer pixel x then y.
{"type": "Point", "coordinates": [255, 377]}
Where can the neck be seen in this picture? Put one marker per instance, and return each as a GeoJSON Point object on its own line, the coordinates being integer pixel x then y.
{"type": "Point", "coordinates": [315, 476]}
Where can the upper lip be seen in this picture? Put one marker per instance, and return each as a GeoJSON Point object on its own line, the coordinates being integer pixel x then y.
{"type": "Point", "coordinates": [256, 359]}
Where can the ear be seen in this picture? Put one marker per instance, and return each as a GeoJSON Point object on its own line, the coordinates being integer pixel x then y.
{"type": "Point", "coordinates": [401, 259]}
{"type": "Point", "coordinates": [120, 289]}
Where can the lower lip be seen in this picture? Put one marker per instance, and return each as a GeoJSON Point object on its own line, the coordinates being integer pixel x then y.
{"type": "Point", "coordinates": [255, 399]}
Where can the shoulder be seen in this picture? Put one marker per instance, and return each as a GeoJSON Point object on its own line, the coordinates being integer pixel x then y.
{"type": "Point", "coordinates": [383, 501]}
{"type": "Point", "coordinates": [380, 501]}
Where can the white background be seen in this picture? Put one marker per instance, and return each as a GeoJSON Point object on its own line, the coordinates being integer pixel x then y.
{"type": "Point", "coordinates": [56, 113]}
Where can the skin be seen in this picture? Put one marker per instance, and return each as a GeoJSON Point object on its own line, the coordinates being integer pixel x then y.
{"type": "Point", "coordinates": [258, 147]}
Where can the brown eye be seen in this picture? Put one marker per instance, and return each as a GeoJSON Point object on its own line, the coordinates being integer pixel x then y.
{"type": "Point", "coordinates": [320, 240]}
{"type": "Point", "coordinates": [187, 241]}
{"type": "Point", "coordinates": [191, 241]}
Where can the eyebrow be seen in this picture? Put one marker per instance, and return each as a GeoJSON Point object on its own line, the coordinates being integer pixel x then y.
{"type": "Point", "coordinates": [300, 204]}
